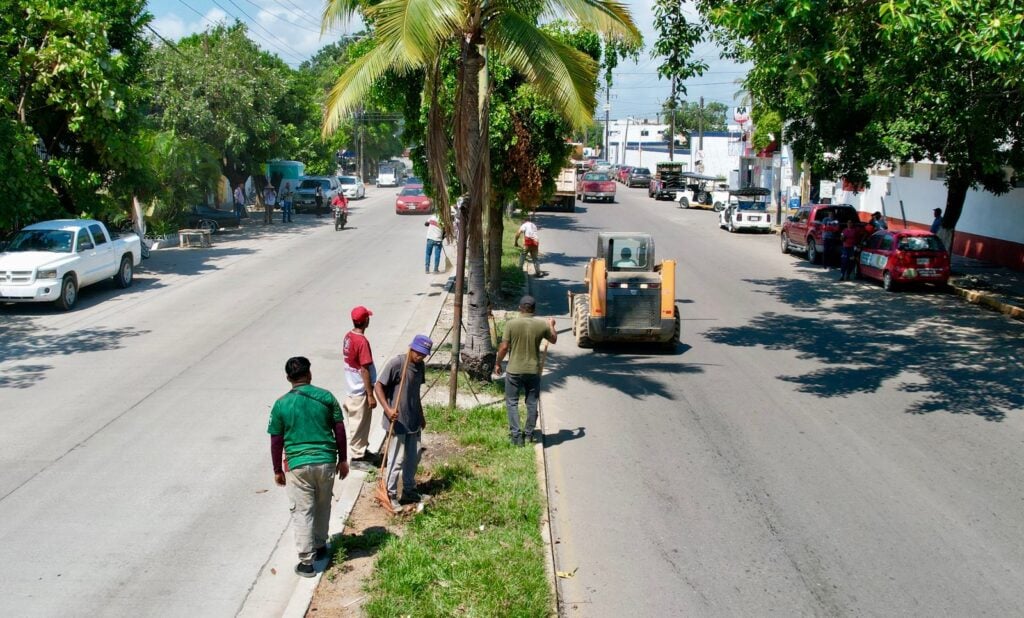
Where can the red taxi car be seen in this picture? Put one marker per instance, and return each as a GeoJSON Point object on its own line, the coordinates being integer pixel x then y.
{"type": "Point", "coordinates": [596, 186]}
{"type": "Point", "coordinates": [897, 257]}
{"type": "Point", "coordinates": [412, 200]}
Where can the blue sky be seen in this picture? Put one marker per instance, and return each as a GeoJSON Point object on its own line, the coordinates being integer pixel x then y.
{"type": "Point", "coordinates": [291, 29]}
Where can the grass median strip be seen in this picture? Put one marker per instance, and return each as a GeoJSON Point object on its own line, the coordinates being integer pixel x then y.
{"type": "Point", "coordinates": [476, 548]}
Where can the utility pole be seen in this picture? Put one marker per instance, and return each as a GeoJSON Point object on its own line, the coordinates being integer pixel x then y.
{"type": "Point", "coordinates": [607, 110]}
{"type": "Point", "coordinates": [700, 135]}
{"type": "Point", "coordinates": [625, 141]}
{"type": "Point", "coordinates": [672, 122]}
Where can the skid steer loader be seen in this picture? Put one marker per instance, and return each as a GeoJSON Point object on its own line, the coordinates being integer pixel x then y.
{"type": "Point", "coordinates": [629, 297]}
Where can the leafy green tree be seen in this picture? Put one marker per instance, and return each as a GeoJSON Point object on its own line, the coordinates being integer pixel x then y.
{"type": "Point", "coordinates": [219, 89]}
{"type": "Point", "coordinates": [70, 107]}
{"type": "Point", "coordinates": [688, 116]}
{"type": "Point", "coordinates": [677, 36]}
{"type": "Point", "coordinates": [412, 35]}
{"type": "Point", "coordinates": [878, 81]}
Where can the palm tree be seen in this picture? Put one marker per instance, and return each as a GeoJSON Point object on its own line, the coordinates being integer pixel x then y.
{"type": "Point", "coordinates": [410, 35]}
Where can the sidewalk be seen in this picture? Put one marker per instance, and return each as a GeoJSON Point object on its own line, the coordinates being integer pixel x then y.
{"type": "Point", "coordinates": [989, 285]}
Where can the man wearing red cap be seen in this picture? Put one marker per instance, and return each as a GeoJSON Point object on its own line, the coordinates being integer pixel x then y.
{"type": "Point", "coordinates": [360, 374]}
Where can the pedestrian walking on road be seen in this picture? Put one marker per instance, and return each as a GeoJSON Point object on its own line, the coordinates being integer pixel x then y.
{"type": "Point", "coordinates": [435, 235]}
{"type": "Point", "coordinates": [937, 222]}
{"type": "Point", "coordinates": [398, 391]}
{"type": "Point", "coordinates": [319, 197]}
{"type": "Point", "coordinates": [521, 341]}
{"type": "Point", "coordinates": [306, 425]}
{"type": "Point", "coordinates": [360, 374]}
{"type": "Point", "coordinates": [531, 244]}
{"type": "Point", "coordinates": [286, 203]}
{"type": "Point", "coordinates": [848, 257]}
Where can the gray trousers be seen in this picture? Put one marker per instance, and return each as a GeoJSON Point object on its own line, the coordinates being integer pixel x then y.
{"type": "Point", "coordinates": [310, 488]}
{"type": "Point", "coordinates": [514, 384]}
{"type": "Point", "coordinates": [404, 457]}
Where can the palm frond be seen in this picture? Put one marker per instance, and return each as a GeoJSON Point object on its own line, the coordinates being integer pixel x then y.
{"type": "Point", "coordinates": [351, 88]}
{"type": "Point", "coordinates": [337, 13]}
{"type": "Point", "coordinates": [417, 27]}
{"type": "Point", "coordinates": [605, 16]}
{"type": "Point", "coordinates": [566, 76]}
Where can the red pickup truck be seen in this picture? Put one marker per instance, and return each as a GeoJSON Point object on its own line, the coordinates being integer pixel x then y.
{"type": "Point", "coordinates": [805, 230]}
{"type": "Point", "coordinates": [596, 186]}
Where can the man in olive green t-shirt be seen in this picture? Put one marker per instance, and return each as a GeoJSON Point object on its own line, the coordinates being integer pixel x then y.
{"type": "Point", "coordinates": [521, 342]}
{"type": "Point", "coordinates": [306, 424]}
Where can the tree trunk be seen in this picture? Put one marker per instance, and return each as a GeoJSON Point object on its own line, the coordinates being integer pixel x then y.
{"type": "Point", "coordinates": [495, 241]}
{"type": "Point", "coordinates": [956, 193]}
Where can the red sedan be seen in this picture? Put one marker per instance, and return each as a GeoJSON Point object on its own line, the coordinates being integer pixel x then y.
{"type": "Point", "coordinates": [897, 257]}
{"type": "Point", "coordinates": [622, 173]}
{"type": "Point", "coordinates": [412, 201]}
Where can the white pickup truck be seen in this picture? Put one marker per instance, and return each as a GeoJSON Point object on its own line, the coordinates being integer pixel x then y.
{"type": "Point", "coordinates": [50, 261]}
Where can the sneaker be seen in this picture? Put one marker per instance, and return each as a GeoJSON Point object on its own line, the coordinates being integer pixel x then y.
{"type": "Point", "coordinates": [396, 506]}
{"type": "Point", "coordinates": [436, 270]}
{"type": "Point", "coordinates": [518, 440]}
{"type": "Point", "coordinates": [411, 497]}
{"type": "Point", "coordinates": [533, 437]}
{"type": "Point", "coordinates": [322, 553]}
{"type": "Point", "coordinates": [305, 570]}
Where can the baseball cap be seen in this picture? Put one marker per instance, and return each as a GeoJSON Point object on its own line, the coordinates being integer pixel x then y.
{"type": "Point", "coordinates": [527, 301]}
{"type": "Point", "coordinates": [360, 313]}
{"type": "Point", "coordinates": [421, 344]}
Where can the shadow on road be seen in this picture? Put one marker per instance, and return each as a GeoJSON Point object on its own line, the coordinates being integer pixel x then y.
{"type": "Point", "coordinates": [564, 435]}
{"type": "Point", "coordinates": [962, 360]}
{"type": "Point", "coordinates": [638, 374]}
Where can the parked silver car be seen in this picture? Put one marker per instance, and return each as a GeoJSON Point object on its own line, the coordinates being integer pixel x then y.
{"type": "Point", "coordinates": [304, 199]}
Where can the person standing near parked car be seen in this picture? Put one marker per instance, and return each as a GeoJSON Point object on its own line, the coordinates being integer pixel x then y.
{"type": "Point", "coordinates": [937, 222]}
{"type": "Point", "coordinates": [521, 341]}
{"type": "Point", "coordinates": [849, 250]}
{"type": "Point", "coordinates": [286, 203]}
{"type": "Point", "coordinates": [239, 196]}
{"type": "Point", "coordinates": [879, 221]}
{"type": "Point", "coordinates": [398, 391]}
{"type": "Point", "coordinates": [435, 236]}
{"type": "Point", "coordinates": [360, 374]}
{"type": "Point", "coordinates": [829, 238]}
{"type": "Point", "coordinates": [319, 197]}
{"type": "Point", "coordinates": [306, 425]}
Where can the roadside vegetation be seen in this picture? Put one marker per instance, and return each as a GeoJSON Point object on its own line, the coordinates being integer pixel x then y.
{"type": "Point", "coordinates": [476, 548]}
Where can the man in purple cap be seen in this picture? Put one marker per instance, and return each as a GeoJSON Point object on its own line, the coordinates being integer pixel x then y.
{"type": "Point", "coordinates": [404, 449]}
{"type": "Point", "coordinates": [360, 374]}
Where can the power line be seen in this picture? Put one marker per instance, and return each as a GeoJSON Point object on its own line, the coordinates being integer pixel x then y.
{"type": "Point", "coordinates": [282, 19]}
{"type": "Point", "coordinates": [298, 54]}
{"type": "Point", "coordinates": [166, 42]}
{"type": "Point", "coordinates": [229, 14]}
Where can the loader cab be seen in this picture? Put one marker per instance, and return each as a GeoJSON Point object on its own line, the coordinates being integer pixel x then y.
{"type": "Point", "coordinates": [626, 252]}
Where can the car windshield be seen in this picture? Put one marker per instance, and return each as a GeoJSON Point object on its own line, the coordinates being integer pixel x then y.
{"type": "Point", "coordinates": [347, 180]}
{"type": "Point", "coordinates": [412, 191]}
{"type": "Point", "coordinates": [751, 205]}
{"type": "Point", "coordinates": [641, 170]}
{"type": "Point", "coordinates": [413, 180]}
{"type": "Point", "coordinates": [921, 243]}
{"type": "Point", "coordinates": [58, 241]}
{"type": "Point", "coordinates": [594, 176]}
{"type": "Point", "coordinates": [313, 183]}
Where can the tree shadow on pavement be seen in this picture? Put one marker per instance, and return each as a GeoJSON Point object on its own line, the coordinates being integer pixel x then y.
{"type": "Point", "coordinates": [183, 261]}
{"type": "Point", "coordinates": [635, 375]}
{"type": "Point", "coordinates": [960, 359]}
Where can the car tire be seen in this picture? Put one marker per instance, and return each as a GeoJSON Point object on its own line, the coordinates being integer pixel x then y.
{"type": "Point", "coordinates": [812, 251]}
{"type": "Point", "coordinates": [888, 284]}
{"type": "Point", "coordinates": [784, 243]}
{"type": "Point", "coordinates": [125, 273]}
{"type": "Point", "coordinates": [209, 225]}
{"type": "Point", "coordinates": [719, 206]}
{"type": "Point", "coordinates": [68, 293]}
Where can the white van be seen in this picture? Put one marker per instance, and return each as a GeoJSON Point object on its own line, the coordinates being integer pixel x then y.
{"type": "Point", "coordinates": [387, 176]}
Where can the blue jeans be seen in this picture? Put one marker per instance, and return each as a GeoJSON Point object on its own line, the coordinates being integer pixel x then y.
{"type": "Point", "coordinates": [847, 261]}
{"type": "Point", "coordinates": [514, 383]}
{"type": "Point", "coordinates": [435, 247]}
{"type": "Point", "coordinates": [286, 212]}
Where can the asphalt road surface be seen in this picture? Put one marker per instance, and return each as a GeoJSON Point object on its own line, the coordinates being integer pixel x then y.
{"type": "Point", "coordinates": [812, 448]}
{"type": "Point", "coordinates": [135, 475]}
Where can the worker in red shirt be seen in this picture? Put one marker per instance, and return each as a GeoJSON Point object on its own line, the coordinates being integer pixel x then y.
{"type": "Point", "coordinates": [850, 236]}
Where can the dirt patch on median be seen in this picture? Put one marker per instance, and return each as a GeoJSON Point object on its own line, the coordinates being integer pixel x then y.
{"type": "Point", "coordinates": [342, 590]}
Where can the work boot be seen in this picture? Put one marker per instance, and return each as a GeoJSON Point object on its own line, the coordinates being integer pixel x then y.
{"type": "Point", "coordinates": [303, 569]}
{"type": "Point", "coordinates": [517, 440]}
{"type": "Point", "coordinates": [411, 497]}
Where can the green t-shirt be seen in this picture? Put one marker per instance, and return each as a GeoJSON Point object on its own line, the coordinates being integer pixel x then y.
{"type": "Point", "coordinates": [305, 416]}
{"type": "Point", "coordinates": [523, 336]}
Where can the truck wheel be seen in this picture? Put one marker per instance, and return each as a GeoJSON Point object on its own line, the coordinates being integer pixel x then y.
{"type": "Point", "coordinates": [581, 320]}
{"type": "Point", "coordinates": [719, 207]}
{"type": "Point", "coordinates": [812, 251]}
{"type": "Point", "coordinates": [68, 293]}
{"type": "Point", "coordinates": [125, 273]}
{"type": "Point", "coordinates": [784, 242]}
{"type": "Point", "coordinates": [684, 203]}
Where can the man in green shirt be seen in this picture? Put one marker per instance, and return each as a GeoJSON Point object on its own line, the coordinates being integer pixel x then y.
{"type": "Point", "coordinates": [306, 424]}
{"type": "Point", "coordinates": [521, 342]}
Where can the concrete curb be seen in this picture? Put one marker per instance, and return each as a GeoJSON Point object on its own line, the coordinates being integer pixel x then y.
{"type": "Point", "coordinates": [989, 300]}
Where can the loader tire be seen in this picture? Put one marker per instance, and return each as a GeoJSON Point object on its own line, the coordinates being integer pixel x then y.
{"type": "Point", "coordinates": [581, 320]}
